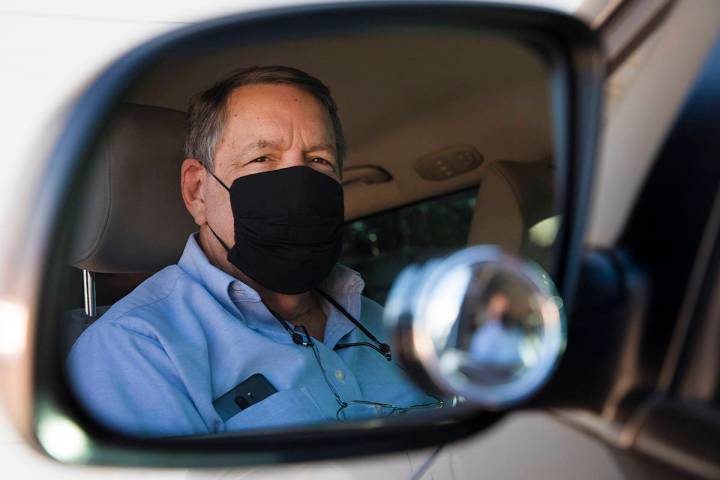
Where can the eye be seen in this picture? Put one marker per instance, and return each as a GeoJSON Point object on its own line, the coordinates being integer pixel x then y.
{"type": "Point", "coordinates": [262, 159]}
{"type": "Point", "coordinates": [322, 161]}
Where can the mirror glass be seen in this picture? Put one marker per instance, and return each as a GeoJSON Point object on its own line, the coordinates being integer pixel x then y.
{"type": "Point", "coordinates": [234, 237]}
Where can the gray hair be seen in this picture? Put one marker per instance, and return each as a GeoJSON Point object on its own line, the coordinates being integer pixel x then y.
{"type": "Point", "coordinates": [208, 109]}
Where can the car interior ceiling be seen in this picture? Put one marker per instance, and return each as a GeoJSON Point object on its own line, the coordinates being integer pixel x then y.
{"type": "Point", "coordinates": [400, 97]}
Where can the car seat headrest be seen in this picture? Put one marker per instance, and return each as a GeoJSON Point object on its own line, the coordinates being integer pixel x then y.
{"type": "Point", "coordinates": [514, 196]}
{"type": "Point", "coordinates": [497, 218]}
{"type": "Point", "coordinates": [133, 218]}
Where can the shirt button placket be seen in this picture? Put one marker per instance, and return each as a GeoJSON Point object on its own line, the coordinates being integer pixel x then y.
{"type": "Point", "coordinates": [338, 374]}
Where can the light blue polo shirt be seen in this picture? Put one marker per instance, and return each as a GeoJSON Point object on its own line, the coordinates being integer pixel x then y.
{"type": "Point", "coordinates": [153, 364]}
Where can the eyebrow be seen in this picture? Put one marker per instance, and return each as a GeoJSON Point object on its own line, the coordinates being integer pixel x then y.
{"type": "Point", "coordinates": [257, 145]}
{"type": "Point", "coordinates": [322, 146]}
{"type": "Point", "coordinates": [260, 144]}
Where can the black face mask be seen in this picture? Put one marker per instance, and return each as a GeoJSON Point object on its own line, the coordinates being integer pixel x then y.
{"type": "Point", "coordinates": [288, 227]}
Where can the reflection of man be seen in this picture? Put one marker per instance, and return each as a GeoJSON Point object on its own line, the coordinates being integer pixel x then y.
{"type": "Point", "coordinates": [256, 325]}
{"type": "Point", "coordinates": [494, 344]}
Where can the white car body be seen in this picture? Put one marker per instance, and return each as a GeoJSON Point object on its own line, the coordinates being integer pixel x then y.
{"type": "Point", "coordinates": [51, 50]}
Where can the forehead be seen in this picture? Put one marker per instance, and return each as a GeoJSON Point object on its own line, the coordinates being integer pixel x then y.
{"type": "Point", "coordinates": [263, 102]}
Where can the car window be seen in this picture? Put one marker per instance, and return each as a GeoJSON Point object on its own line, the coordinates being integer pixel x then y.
{"type": "Point", "coordinates": [381, 245]}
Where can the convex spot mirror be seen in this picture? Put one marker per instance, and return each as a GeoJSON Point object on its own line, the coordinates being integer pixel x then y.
{"type": "Point", "coordinates": [480, 326]}
{"type": "Point", "coordinates": [464, 125]}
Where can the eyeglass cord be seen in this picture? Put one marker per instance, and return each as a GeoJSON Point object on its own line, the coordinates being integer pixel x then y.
{"type": "Point", "coordinates": [382, 348]}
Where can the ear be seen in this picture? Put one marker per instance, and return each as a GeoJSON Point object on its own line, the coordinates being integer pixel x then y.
{"type": "Point", "coordinates": [192, 180]}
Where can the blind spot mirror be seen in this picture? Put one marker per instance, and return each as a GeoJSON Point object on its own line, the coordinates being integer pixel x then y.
{"type": "Point", "coordinates": [480, 325]}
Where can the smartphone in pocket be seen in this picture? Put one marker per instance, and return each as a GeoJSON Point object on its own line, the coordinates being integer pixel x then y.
{"type": "Point", "coordinates": [250, 391]}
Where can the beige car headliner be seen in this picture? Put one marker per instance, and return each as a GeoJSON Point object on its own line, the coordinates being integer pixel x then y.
{"type": "Point", "coordinates": [401, 96]}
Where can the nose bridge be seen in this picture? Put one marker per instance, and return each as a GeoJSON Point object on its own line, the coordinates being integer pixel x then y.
{"type": "Point", "coordinates": [294, 156]}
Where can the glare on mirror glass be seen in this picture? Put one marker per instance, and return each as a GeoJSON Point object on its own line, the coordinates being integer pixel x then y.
{"type": "Point", "coordinates": [249, 209]}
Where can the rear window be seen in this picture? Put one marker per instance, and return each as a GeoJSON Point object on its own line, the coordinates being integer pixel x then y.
{"type": "Point", "coordinates": [381, 245]}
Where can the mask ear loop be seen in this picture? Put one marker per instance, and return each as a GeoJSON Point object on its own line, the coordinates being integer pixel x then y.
{"type": "Point", "coordinates": [225, 246]}
{"type": "Point", "coordinates": [216, 178]}
{"type": "Point", "coordinates": [218, 238]}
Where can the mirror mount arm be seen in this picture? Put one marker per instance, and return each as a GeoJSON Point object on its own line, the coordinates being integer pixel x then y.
{"type": "Point", "coordinates": [604, 329]}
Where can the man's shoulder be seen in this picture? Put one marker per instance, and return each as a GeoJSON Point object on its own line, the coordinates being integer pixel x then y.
{"type": "Point", "coordinates": [370, 307]}
{"type": "Point", "coordinates": [155, 289]}
{"type": "Point", "coordinates": [149, 303]}
{"type": "Point", "coordinates": [371, 315]}
{"type": "Point", "coordinates": [124, 369]}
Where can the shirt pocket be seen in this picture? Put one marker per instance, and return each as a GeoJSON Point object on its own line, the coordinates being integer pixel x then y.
{"type": "Point", "coordinates": [400, 392]}
{"type": "Point", "coordinates": [285, 408]}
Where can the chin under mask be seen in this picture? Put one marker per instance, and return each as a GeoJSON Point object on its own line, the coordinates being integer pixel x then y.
{"type": "Point", "coordinates": [288, 227]}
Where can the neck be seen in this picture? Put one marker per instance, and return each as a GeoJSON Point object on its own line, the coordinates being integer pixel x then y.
{"type": "Point", "coordinates": [296, 309]}
{"type": "Point", "coordinates": [301, 309]}
{"type": "Point", "coordinates": [291, 308]}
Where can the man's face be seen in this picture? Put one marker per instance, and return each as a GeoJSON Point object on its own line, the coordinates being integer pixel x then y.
{"type": "Point", "coordinates": [267, 127]}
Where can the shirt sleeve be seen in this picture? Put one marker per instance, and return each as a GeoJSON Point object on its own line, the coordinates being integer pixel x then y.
{"type": "Point", "coordinates": [127, 382]}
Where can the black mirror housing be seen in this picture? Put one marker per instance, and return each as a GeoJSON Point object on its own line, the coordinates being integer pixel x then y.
{"type": "Point", "coordinates": [36, 390]}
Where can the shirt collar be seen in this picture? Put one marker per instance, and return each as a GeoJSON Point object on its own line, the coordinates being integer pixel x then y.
{"type": "Point", "coordinates": [344, 285]}
{"type": "Point", "coordinates": [195, 263]}
{"type": "Point", "coordinates": [342, 281]}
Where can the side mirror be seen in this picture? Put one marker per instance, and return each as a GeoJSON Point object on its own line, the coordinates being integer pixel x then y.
{"type": "Point", "coordinates": [485, 104]}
